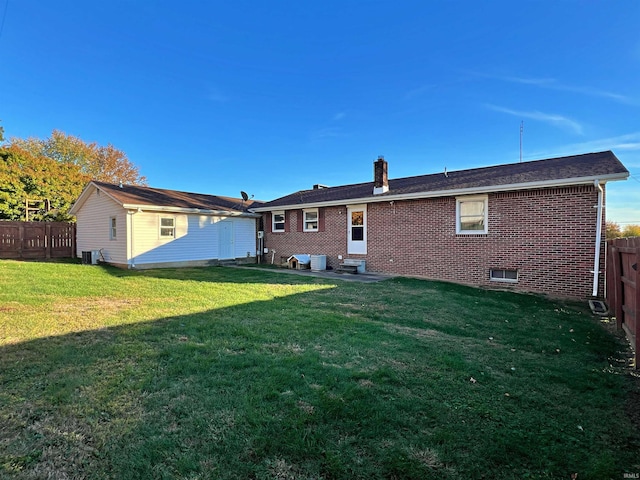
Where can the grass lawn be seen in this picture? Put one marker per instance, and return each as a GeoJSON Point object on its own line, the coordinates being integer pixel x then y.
{"type": "Point", "coordinates": [247, 373]}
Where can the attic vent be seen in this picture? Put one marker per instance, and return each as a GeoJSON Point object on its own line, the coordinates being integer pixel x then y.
{"type": "Point", "coordinates": [319, 186]}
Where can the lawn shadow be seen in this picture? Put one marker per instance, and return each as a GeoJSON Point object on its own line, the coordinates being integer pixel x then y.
{"type": "Point", "coordinates": [338, 381]}
{"type": "Point", "coordinates": [234, 392]}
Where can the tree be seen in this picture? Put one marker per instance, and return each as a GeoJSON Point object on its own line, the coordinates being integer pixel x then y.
{"type": "Point", "coordinates": [612, 231]}
{"type": "Point", "coordinates": [40, 185]}
{"type": "Point", "coordinates": [103, 163]}
{"type": "Point", "coordinates": [631, 231]}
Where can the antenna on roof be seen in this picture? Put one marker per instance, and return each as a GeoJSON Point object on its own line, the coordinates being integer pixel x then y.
{"type": "Point", "coordinates": [521, 132]}
{"type": "Point", "coordinates": [245, 196]}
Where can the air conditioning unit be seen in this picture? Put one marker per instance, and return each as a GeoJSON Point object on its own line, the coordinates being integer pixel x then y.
{"type": "Point", "coordinates": [90, 257]}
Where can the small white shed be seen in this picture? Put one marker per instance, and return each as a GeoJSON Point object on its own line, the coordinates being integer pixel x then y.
{"type": "Point", "coordinates": [142, 227]}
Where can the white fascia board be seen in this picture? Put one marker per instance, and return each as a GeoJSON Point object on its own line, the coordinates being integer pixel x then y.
{"type": "Point", "coordinates": [451, 193]}
{"type": "Point", "coordinates": [200, 211]}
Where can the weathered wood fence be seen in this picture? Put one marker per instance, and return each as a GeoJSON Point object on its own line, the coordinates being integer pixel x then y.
{"type": "Point", "coordinates": [37, 240]}
{"type": "Point", "coordinates": [623, 287]}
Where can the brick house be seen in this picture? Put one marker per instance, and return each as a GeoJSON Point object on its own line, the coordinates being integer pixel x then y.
{"type": "Point", "coordinates": [533, 226]}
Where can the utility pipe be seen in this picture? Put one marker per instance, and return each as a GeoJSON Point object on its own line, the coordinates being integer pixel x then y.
{"type": "Point", "coordinates": [596, 254]}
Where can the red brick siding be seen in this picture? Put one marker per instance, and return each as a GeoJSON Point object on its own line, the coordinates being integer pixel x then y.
{"type": "Point", "coordinates": [547, 235]}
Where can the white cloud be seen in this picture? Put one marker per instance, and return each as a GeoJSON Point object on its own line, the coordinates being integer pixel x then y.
{"type": "Point", "coordinates": [339, 116]}
{"type": "Point", "coordinates": [627, 142]}
{"type": "Point", "coordinates": [550, 118]}
{"type": "Point", "coordinates": [541, 82]}
{"type": "Point", "coordinates": [553, 84]}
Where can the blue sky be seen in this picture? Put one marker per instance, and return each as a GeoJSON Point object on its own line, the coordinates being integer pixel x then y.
{"type": "Point", "coordinates": [272, 97]}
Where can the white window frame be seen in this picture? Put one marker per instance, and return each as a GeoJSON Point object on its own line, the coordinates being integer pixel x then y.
{"type": "Point", "coordinates": [113, 228]}
{"type": "Point", "coordinates": [279, 222]}
{"type": "Point", "coordinates": [164, 227]}
{"type": "Point", "coordinates": [472, 198]}
{"type": "Point", "coordinates": [305, 221]}
{"type": "Point", "coordinates": [503, 272]}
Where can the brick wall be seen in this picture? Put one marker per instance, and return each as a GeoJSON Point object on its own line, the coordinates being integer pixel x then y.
{"type": "Point", "coordinates": [547, 235]}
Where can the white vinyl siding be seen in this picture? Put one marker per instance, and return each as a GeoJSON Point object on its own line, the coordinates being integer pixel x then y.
{"type": "Point", "coordinates": [138, 239]}
{"type": "Point", "coordinates": [94, 228]}
{"type": "Point", "coordinates": [196, 238]}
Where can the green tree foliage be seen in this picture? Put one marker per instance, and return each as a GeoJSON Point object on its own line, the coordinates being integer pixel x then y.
{"type": "Point", "coordinates": [614, 231]}
{"type": "Point", "coordinates": [42, 183]}
{"type": "Point", "coordinates": [103, 163]}
{"type": "Point", "coordinates": [631, 231]}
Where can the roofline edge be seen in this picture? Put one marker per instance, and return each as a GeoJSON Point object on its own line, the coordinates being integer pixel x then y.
{"type": "Point", "coordinates": [450, 193]}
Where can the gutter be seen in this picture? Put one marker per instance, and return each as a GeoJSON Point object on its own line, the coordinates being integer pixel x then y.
{"type": "Point", "coordinates": [154, 208]}
{"type": "Point", "coordinates": [596, 254]}
{"type": "Point", "coordinates": [447, 193]}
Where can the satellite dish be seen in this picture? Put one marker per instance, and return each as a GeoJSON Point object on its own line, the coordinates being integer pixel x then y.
{"type": "Point", "coordinates": [245, 197]}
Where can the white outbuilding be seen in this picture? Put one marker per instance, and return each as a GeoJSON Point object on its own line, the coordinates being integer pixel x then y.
{"type": "Point", "coordinates": [140, 227]}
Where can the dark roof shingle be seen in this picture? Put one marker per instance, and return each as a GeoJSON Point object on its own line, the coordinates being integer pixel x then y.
{"type": "Point", "coordinates": [590, 165]}
{"type": "Point", "coordinates": [158, 197]}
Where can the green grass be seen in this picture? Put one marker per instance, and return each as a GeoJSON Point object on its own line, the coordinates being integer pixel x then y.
{"type": "Point", "coordinates": [248, 373]}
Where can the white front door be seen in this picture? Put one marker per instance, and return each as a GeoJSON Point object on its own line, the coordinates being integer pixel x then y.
{"type": "Point", "coordinates": [357, 229]}
{"type": "Point", "coordinates": [225, 240]}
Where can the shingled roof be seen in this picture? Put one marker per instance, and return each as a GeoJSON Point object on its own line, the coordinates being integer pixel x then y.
{"type": "Point", "coordinates": [561, 171]}
{"type": "Point", "coordinates": [135, 196]}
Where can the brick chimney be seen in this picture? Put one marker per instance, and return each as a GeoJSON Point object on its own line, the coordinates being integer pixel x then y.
{"type": "Point", "coordinates": [380, 179]}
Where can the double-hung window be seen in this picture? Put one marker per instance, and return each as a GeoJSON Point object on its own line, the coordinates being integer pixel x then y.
{"type": "Point", "coordinates": [167, 227]}
{"type": "Point", "coordinates": [112, 228]}
{"type": "Point", "coordinates": [277, 222]}
{"type": "Point", "coordinates": [471, 215]}
{"type": "Point", "coordinates": [310, 220]}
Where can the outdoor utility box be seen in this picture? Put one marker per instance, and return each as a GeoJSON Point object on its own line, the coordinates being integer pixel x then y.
{"type": "Point", "coordinates": [298, 261]}
{"type": "Point", "coordinates": [90, 257]}
{"type": "Point", "coordinates": [318, 263]}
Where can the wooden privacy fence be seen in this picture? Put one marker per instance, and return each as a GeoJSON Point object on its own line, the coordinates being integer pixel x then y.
{"type": "Point", "coordinates": [37, 240]}
{"type": "Point", "coordinates": [623, 287]}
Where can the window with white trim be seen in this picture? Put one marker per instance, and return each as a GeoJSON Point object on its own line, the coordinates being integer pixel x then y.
{"type": "Point", "coordinates": [503, 275]}
{"type": "Point", "coordinates": [310, 220]}
{"type": "Point", "coordinates": [112, 228]}
{"type": "Point", "coordinates": [277, 222]}
{"type": "Point", "coordinates": [471, 215]}
{"type": "Point", "coordinates": [167, 227]}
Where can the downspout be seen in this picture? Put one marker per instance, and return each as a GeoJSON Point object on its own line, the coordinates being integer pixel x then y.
{"type": "Point", "coordinates": [131, 261]}
{"type": "Point", "coordinates": [596, 254]}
